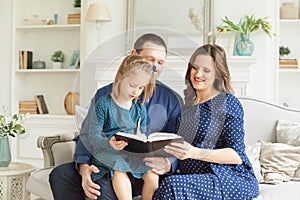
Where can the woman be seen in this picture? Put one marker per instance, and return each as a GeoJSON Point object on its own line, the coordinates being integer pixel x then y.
{"type": "Point", "coordinates": [213, 163]}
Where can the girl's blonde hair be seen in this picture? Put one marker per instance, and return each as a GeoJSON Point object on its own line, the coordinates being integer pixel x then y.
{"type": "Point", "coordinates": [133, 63]}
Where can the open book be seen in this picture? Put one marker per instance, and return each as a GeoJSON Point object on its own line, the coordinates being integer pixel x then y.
{"type": "Point", "coordinates": [155, 142]}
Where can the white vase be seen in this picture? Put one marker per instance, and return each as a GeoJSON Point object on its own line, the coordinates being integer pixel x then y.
{"type": "Point", "coordinates": [56, 65]}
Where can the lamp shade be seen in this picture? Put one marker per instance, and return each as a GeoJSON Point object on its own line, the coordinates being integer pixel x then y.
{"type": "Point", "coordinates": [97, 12]}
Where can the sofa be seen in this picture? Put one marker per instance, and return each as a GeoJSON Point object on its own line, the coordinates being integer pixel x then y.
{"type": "Point", "coordinates": [261, 135]}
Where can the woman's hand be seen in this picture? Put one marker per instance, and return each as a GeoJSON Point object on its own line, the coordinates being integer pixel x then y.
{"type": "Point", "coordinates": [185, 150]}
{"type": "Point", "coordinates": [180, 150]}
{"type": "Point", "coordinates": [117, 145]}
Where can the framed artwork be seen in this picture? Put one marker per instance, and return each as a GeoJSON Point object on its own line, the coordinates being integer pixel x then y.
{"type": "Point", "coordinates": [185, 27]}
{"type": "Point", "coordinates": [74, 61]}
{"type": "Point", "coordinates": [226, 41]}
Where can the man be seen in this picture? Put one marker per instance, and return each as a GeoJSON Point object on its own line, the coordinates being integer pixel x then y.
{"type": "Point", "coordinates": [73, 180]}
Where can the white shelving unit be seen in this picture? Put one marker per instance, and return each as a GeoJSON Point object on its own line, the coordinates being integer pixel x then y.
{"type": "Point", "coordinates": [289, 79]}
{"type": "Point", "coordinates": [54, 84]}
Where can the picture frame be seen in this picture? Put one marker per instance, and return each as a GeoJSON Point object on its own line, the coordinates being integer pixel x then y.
{"type": "Point", "coordinates": [74, 61]}
{"type": "Point", "coordinates": [226, 41]}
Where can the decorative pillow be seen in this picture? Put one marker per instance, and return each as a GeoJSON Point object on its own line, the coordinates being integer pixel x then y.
{"type": "Point", "coordinates": [80, 114]}
{"type": "Point", "coordinates": [253, 153]}
{"type": "Point", "coordinates": [289, 133]}
{"type": "Point", "coordinates": [278, 161]}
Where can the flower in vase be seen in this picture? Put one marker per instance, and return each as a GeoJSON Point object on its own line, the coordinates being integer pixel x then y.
{"type": "Point", "coordinates": [246, 25]}
{"type": "Point", "coordinates": [12, 125]}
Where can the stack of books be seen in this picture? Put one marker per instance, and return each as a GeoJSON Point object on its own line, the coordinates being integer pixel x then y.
{"type": "Point", "coordinates": [28, 107]}
{"type": "Point", "coordinates": [288, 63]}
{"type": "Point", "coordinates": [25, 59]}
{"type": "Point", "coordinates": [73, 18]}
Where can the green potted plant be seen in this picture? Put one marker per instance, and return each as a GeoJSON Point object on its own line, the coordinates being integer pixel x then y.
{"type": "Point", "coordinates": [58, 57]}
{"type": "Point", "coordinates": [77, 3]}
{"type": "Point", "coordinates": [10, 125]}
{"type": "Point", "coordinates": [246, 25]}
{"type": "Point", "coordinates": [284, 51]}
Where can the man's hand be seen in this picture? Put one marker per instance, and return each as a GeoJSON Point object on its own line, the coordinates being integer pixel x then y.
{"type": "Point", "coordinates": [117, 145]}
{"type": "Point", "coordinates": [91, 189]}
{"type": "Point", "coordinates": [159, 165]}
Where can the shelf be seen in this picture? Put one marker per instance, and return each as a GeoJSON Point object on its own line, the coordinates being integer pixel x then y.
{"type": "Point", "coordinates": [242, 59]}
{"type": "Point", "coordinates": [289, 70]}
{"type": "Point", "coordinates": [40, 28]}
{"type": "Point", "coordinates": [289, 20]}
{"type": "Point", "coordinates": [51, 116]}
{"type": "Point", "coordinates": [48, 71]}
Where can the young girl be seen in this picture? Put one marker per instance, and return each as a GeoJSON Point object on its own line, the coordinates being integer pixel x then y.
{"type": "Point", "coordinates": [121, 111]}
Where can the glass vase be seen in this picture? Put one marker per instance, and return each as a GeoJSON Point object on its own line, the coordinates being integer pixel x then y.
{"type": "Point", "coordinates": [5, 155]}
{"type": "Point", "coordinates": [244, 47]}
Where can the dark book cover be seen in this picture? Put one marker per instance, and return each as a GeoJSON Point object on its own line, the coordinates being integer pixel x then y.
{"type": "Point", "coordinates": [41, 104]}
{"type": "Point", "coordinates": [154, 145]}
{"type": "Point", "coordinates": [29, 59]}
{"type": "Point", "coordinates": [25, 59]}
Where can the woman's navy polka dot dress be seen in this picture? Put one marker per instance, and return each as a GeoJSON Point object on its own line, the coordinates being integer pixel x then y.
{"type": "Point", "coordinates": [215, 124]}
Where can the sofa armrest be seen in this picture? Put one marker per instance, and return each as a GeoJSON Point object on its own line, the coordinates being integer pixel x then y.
{"type": "Point", "coordinates": [46, 143]}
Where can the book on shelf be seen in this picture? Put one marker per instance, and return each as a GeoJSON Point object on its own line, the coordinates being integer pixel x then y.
{"type": "Point", "coordinates": [28, 107]}
{"type": "Point", "coordinates": [288, 66]}
{"type": "Point", "coordinates": [27, 103]}
{"type": "Point", "coordinates": [77, 15]}
{"type": "Point", "coordinates": [154, 143]}
{"type": "Point", "coordinates": [28, 110]}
{"type": "Point", "coordinates": [288, 62]}
{"type": "Point", "coordinates": [73, 19]}
{"type": "Point", "coordinates": [41, 104]}
{"type": "Point", "coordinates": [25, 59]}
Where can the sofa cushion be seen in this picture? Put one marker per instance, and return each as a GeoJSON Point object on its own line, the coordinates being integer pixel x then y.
{"type": "Point", "coordinates": [284, 191]}
{"type": "Point", "coordinates": [80, 114]}
{"type": "Point", "coordinates": [289, 133]}
{"type": "Point", "coordinates": [278, 161]}
{"type": "Point", "coordinates": [253, 153]}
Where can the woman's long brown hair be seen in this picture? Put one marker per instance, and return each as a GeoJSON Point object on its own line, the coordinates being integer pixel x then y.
{"type": "Point", "coordinates": [222, 82]}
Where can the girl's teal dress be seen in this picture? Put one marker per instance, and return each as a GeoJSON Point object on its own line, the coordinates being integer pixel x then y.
{"type": "Point", "coordinates": [108, 119]}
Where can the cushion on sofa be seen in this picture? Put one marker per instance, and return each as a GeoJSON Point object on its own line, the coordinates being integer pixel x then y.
{"type": "Point", "coordinates": [278, 161]}
{"type": "Point", "coordinates": [80, 114]}
{"type": "Point", "coordinates": [253, 153]}
{"type": "Point", "coordinates": [289, 133]}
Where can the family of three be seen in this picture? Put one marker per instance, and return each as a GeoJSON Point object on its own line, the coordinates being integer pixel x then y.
{"type": "Point", "coordinates": [210, 164]}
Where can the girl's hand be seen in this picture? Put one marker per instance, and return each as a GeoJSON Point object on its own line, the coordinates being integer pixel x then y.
{"type": "Point", "coordinates": [117, 145]}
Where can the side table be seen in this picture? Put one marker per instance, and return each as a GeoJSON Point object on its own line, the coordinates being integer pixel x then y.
{"type": "Point", "coordinates": [13, 181]}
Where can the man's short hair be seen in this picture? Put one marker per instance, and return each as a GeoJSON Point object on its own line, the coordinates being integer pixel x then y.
{"type": "Point", "coordinates": [148, 37]}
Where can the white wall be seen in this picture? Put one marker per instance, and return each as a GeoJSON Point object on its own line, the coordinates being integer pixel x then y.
{"type": "Point", "coordinates": [264, 70]}
{"type": "Point", "coordinates": [5, 52]}
{"type": "Point", "coordinates": [263, 76]}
